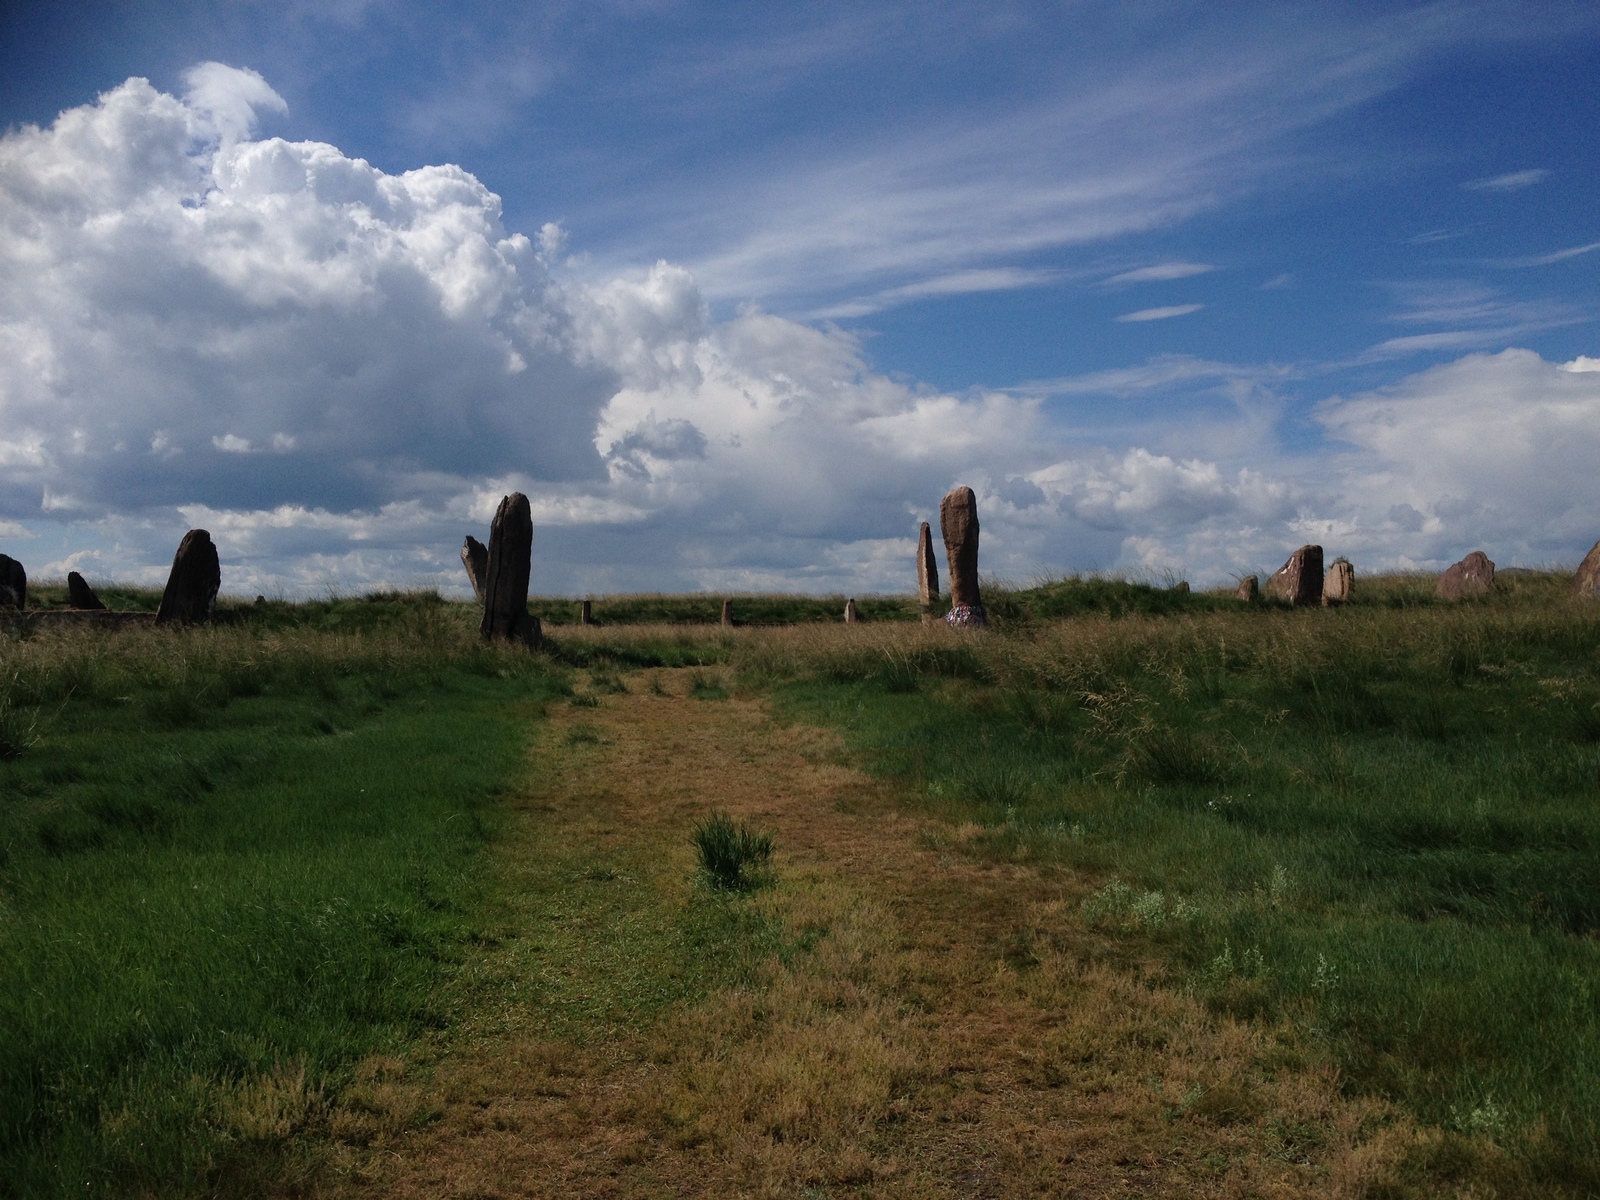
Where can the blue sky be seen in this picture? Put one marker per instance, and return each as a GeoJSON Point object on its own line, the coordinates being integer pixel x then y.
{"type": "Point", "coordinates": [1174, 290]}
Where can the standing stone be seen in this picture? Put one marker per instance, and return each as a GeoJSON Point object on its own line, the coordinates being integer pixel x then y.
{"type": "Point", "coordinates": [1249, 588]}
{"type": "Point", "coordinates": [958, 520]}
{"type": "Point", "coordinates": [1299, 581]}
{"type": "Point", "coordinates": [80, 594]}
{"type": "Point", "coordinates": [850, 617]}
{"type": "Point", "coordinates": [13, 583]}
{"type": "Point", "coordinates": [586, 613]}
{"type": "Point", "coordinates": [1586, 584]}
{"type": "Point", "coordinates": [1340, 582]}
{"type": "Point", "coordinates": [1472, 576]}
{"type": "Point", "coordinates": [192, 585]}
{"type": "Point", "coordinates": [475, 558]}
{"type": "Point", "coordinates": [505, 579]}
{"type": "Point", "coordinates": [727, 612]}
{"type": "Point", "coordinates": [927, 574]}
{"type": "Point", "coordinates": [1181, 587]}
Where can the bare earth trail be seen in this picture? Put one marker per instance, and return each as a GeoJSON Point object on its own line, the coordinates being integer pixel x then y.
{"type": "Point", "coordinates": [933, 1025]}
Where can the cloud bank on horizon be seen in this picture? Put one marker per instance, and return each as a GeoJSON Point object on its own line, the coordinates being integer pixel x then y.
{"type": "Point", "coordinates": [339, 370]}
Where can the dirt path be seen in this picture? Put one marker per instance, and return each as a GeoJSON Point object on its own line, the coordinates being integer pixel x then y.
{"type": "Point", "coordinates": [937, 1026]}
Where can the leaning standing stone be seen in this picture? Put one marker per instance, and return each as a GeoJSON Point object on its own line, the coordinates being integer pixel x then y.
{"type": "Point", "coordinates": [1472, 576]}
{"type": "Point", "coordinates": [1249, 588]}
{"type": "Point", "coordinates": [1299, 581]}
{"type": "Point", "coordinates": [505, 584]}
{"type": "Point", "coordinates": [927, 573]}
{"type": "Point", "coordinates": [958, 520]}
{"type": "Point", "coordinates": [13, 583]}
{"type": "Point", "coordinates": [1340, 582]}
{"type": "Point", "coordinates": [475, 558]}
{"type": "Point", "coordinates": [1586, 584]}
{"type": "Point", "coordinates": [193, 583]}
{"type": "Point", "coordinates": [80, 594]}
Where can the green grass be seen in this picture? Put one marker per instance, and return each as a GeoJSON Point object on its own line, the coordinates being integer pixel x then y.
{"type": "Point", "coordinates": [1381, 821]}
{"type": "Point", "coordinates": [731, 854]}
{"type": "Point", "coordinates": [706, 609]}
{"type": "Point", "coordinates": [233, 862]}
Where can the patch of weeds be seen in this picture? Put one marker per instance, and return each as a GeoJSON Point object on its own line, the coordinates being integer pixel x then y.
{"type": "Point", "coordinates": [607, 683]}
{"type": "Point", "coordinates": [704, 687]}
{"type": "Point", "coordinates": [657, 688]}
{"type": "Point", "coordinates": [584, 700]}
{"type": "Point", "coordinates": [1119, 906]}
{"type": "Point", "coordinates": [583, 734]}
{"type": "Point", "coordinates": [732, 856]}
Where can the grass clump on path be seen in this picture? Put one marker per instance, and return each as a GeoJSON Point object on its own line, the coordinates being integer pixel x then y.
{"type": "Point", "coordinates": [731, 854]}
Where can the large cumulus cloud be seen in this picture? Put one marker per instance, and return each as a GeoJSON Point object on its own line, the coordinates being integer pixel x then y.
{"type": "Point", "coordinates": [339, 371]}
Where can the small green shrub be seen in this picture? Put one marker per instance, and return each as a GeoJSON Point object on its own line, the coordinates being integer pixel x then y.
{"type": "Point", "coordinates": [729, 853]}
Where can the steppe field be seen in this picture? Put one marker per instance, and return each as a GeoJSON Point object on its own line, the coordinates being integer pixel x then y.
{"type": "Point", "coordinates": [1138, 893]}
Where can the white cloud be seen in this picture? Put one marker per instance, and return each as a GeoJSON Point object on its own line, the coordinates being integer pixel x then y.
{"type": "Point", "coordinates": [1161, 272]}
{"type": "Point", "coordinates": [1166, 312]}
{"type": "Point", "coordinates": [226, 99]}
{"type": "Point", "coordinates": [1515, 181]}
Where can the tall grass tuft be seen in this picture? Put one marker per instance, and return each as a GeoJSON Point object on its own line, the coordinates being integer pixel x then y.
{"type": "Point", "coordinates": [731, 855]}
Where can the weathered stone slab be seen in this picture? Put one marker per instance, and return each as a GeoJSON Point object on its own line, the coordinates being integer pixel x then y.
{"type": "Point", "coordinates": [1472, 576]}
{"type": "Point", "coordinates": [13, 583]}
{"type": "Point", "coordinates": [586, 613]}
{"type": "Point", "coordinates": [1586, 584]}
{"type": "Point", "coordinates": [505, 583]}
{"type": "Point", "coordinates": [80, 594]}
{"type": "Point", "coordinates": [475, 558]}
{"type": "Point", "coordinates": [1339, 583]}
{"type": "Point", "coordinates": [958, 521]}
{"type": "Point", "coordinates": [850, 615]}
{"type": "Point", "coordinates": [927, 573]}
{"type": "Point", "coordinates": [1249, 588]}
{"type": "Point", "coordinates": [1299, 581]}
{"type": "Point", "coordinates": [192, 584]}
{"type": "Point", "coordinates": [1181, 587]}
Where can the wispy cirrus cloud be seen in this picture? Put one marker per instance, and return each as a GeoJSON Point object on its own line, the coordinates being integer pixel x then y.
{"type": "Point", "coordinates": [957, 283]}
{"type": "Point", "coordinates": [1546, 260]}
{"type": "Point", "coordinates": [1514, 181]}
{"type": "Point", "coordinates": [1162, 272]}
{"type": "Point", "coordinates": [1164, 313]}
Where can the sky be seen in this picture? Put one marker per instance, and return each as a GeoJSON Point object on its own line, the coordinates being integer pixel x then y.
{"type": "Point", "coordinates": [735, 293]}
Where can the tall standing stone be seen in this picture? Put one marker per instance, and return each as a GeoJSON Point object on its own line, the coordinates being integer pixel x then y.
{"type": "Point", "coordinates": [1472, 576]}
{"type": "Point", "coordinates": [850, 616]}
{"type": "Point", "coordinates": [13, 583]}
{"type": "Point", "coordinates": [1340, 582]}
{"type": "Point", "coordinates": [927, 573]}
{"type": "Point", "coordinates": [475, 558]}
{"type": "Point", "coordinates": [80, 594]}
{"type": "Point", "coordinates": [1586, 584]}
{"type": "Point", "coordinates": [1299, 581]}
{"type": "Point", "coordinates": [958, 520]}
{"type": "Point", "coordinates": [1249, 588]}
{"type": "Point", "coordinates": [505, 583]}
{"type": "Point", "coordinates": [586, 613]}
{"type": "Point", "coordinates": [193, 583]}
{"type": "Point", "coordinates": [727, 612]}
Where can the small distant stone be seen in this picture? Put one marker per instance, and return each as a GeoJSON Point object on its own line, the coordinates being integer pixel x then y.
{"type": "Point", "coordinates": [727, 612]}
{"type": "Point", "coordinates": [1182, 587]}
{"type": "Point", "coordinates": [1472, 576]}
{"type": "Point", "coordinates": [850, 616]}
{"type": "Point", "coordinates": [193, 583]}
{"type": "Point", "coordinates": [1249, 588]}
{"type": "Point", "coordinates": [1586, 584]}
{"type": "Point", "coordinates": [80, 594]}
{"type": "Point", "coordinates": [586, 613]}
{"type": "Point", "coordinates": [1340, 582]}
{"type": "Point", "coordinates": [475, 558]}
{"type": "Point", "coordinates": [13, 583]}
{"type": "Point", "coordinates": [1299, 581]}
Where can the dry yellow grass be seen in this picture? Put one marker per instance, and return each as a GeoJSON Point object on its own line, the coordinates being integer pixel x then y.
{"type": "Point", "coordinates": [953, 1031]}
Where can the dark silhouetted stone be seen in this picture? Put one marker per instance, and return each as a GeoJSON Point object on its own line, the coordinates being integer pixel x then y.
{"type": "Point", "coordinates": [1249, 588]}
{"type": "Point", "coordinates": [13, 583]}
{"type": "Point", "coordinates": [1181, 587]}
{"type": "Point", "coordinates": [727, 612]}
{"type": "Point", "coordinates": [927, 573]}
{"type": "Point", "coordinates": [80, 594]}
{"type": "Point", "coordinates": [850, 616]}
{"type": "Point", "coordinates": [1299, 581]}
{"type": "Point", "coordinates": [1472, 576]}
{"type": "Point", "coordinates": [1586, 584]}
{"type": "Point", "coordinates": [505, 578]}
{"type": "Point", "coordinates": [1339, 583]}
{"type": "Point", "coordinates": [193, 582]}
{"type": "Point", "coordinates": [475, 558]}
{"type": "Point", "coordinates": [586, 613]}
{"type": "Point", "coordinates": [958, 520]}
